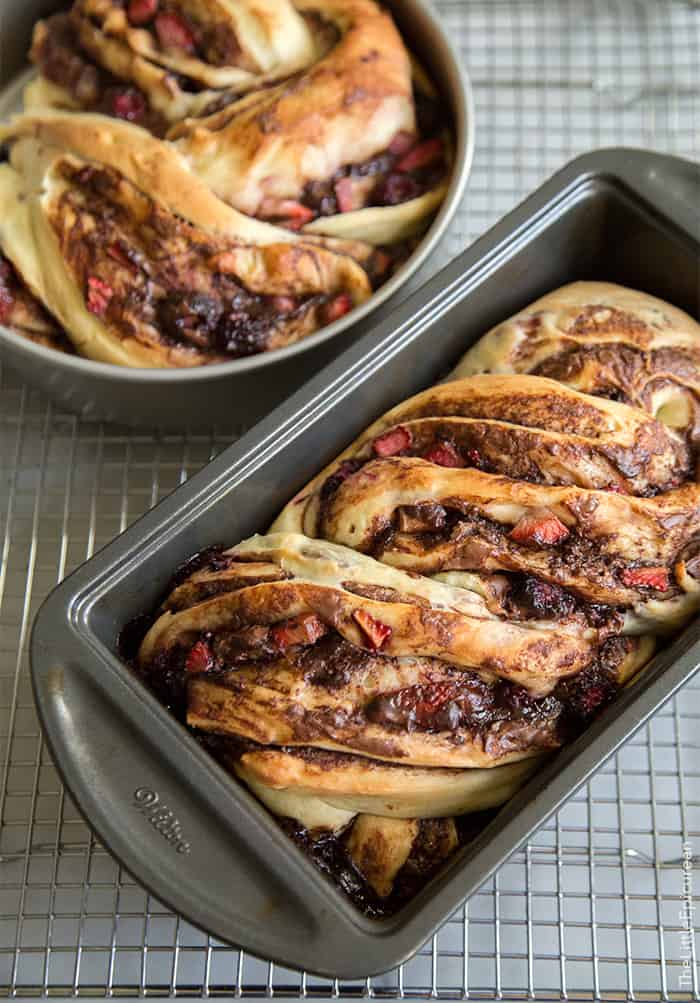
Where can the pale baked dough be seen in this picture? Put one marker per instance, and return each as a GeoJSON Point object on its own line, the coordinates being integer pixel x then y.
{"type": "Point", "coordinates": [353, 784]}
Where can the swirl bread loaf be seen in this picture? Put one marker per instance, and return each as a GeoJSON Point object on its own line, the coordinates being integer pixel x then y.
{"type": "Point", "coordinates": [305, 114]}
{"type": "Point", "coordinates": [455, 596]}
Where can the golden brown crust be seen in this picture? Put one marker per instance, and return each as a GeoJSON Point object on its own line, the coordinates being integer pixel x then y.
{"type": "Point", "coordinates": [525, 475]}
{"type": "Point", "coordinates": [379, 848]}
{"type": "Point", "coordinates": [344, 109]}
{"type": "Point", "coordinates": [613, 531]}
{"type": "Point", "coordinates": [603, 339]}
{"type": "Point", "coordinates": [276, 705]}
{"type": "Point", "coordinates": [151, 165]}
{"type": "Point", "coordinates": [534, 656]}
{"type": "Point", "coordinates": [527, 427]}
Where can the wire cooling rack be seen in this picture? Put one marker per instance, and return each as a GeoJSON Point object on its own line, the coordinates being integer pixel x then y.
{"type": "Point", "coordinates": [598, 904]}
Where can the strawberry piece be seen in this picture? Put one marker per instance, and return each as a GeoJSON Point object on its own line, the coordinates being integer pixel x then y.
{"type": "Point", "coordinates": [618, 489]}
{"type": "Point", "coordinates": [444, 454]}
{"type": "Point", "coordinates": [376, 632]}
{"type": "Point", "coordinates": [344, 194]}
{"type": "Point", "coordinates": [141, 11]}
{"type": "Point", "coordinates": [295, 210]}
{"type": "Point", "coordinates": [475, 457]}
{"type": "Point", "coordinates": [305, 629]}
{"type": "Point", "coordinates": [396, 440]}
{"type": "Point", "coordinates": [285, 304]}
{"type": "Point", "coordinates": [401, 143]}
{"type": "Point", "coordinates": [422, 155]}
{"type": "Point", "coordinates": [337, 307]}
{"type": "Point", "coordinates": [200, 658]}
{"type": "Point", "coordinates": [7, 302]}
{"type": "Point", "coordinates": [289, 210]}
{"type": "Point", "coordinates": [646, 578]}
{"type": "Point", "coordinates": [117, 253]}
{"type": "Point", "coordinates": [174, 32]}
{"type": "Point", "coordinates": [99, 295]}
{"type": "Point", "coordinates": [127, 103]}
{"type": "Point", "coordinates": [539, 526]}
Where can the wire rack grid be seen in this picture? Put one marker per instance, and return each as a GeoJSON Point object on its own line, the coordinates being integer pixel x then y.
{"type": "Point", "coordinates": [595, 907]}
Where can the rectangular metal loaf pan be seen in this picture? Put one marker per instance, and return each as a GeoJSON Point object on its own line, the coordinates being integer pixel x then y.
{"type": "Point", "coordinates": [177, 822]}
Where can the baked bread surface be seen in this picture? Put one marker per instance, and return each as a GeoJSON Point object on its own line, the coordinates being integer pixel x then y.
{"type": "Point", "coordinates": [452, 599]}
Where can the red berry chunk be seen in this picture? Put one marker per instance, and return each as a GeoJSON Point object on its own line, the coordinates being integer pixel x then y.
{"type": "Point", "coordinates": [200, 658]}
{"type": "Point", "coordinates": [337, 307]}
{"type": "Point", "coordinates": [475, 457]}
{"type": "Point", "coordinates": [294, 213]}
{"type": "Point", "coordinates": [374, 630]}
{"type": "Point", "coordinates": [344, 195]}
{"type": "Point", "coordinates": [98, 295]}
{"type": "Point", "coordinates": [174, 32]}
{"type": "Point", "coordinates": [402, 143]}
{"type": "Point", "coordinates": [7, 300]}
{"type": "Point", "coordinates": [618, 489]}
{"type": "Point", "coordinates": [445, 455]}
{"type": "Point", "coordinates": [285, 304]}
{"type": "Point", "coordinates": [128, 103]}
{"type": "Point", "coordinates": [141, 11]}
{"type": "Point", "coordinates": [395, 189]}
{"type": "Point", "coordinates": [118, 253]}
{"type": "Point", "coordinates": [646, 578]}
{"type": "Point", "coordinates": [6, 303]}
{"type": "Point", "coordinates": [423, 155]}
{"type": "Point", "coordinates": [541, 527]}
{"type": "Point", "coordinates": [305, 629]}
{"type": "Point", "coordinates": [396, 440]}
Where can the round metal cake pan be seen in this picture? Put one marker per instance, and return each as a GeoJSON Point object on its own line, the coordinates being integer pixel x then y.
{"type": "Point", "coordinates": [243, 390]}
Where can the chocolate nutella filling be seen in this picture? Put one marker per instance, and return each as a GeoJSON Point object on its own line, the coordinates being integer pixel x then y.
{"type": "Point", "coordinates": [61, 59]}
{"type": "Point", "coordinates": [154, 277]}
{"type": "Point", "coordinates": [478, 542]}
